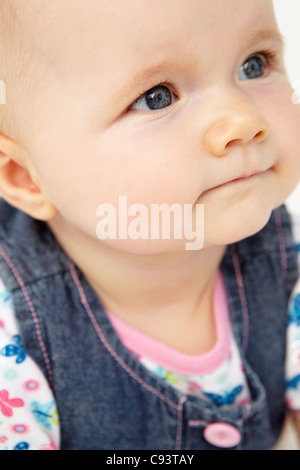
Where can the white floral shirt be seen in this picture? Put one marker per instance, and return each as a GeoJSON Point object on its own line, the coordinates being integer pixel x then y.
{"type": "Point", "coordinates": [28, 415]}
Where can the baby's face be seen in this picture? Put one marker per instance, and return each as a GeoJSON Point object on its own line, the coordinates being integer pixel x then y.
{"type": "Point", "coordinates": [165, 102]}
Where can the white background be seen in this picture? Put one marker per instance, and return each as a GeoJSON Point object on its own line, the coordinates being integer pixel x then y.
{"type": "Point", "coordinates": [288, 17]}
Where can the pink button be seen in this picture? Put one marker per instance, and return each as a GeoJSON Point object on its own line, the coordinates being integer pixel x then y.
{"type": "Point", "coordinates": [222, 435]}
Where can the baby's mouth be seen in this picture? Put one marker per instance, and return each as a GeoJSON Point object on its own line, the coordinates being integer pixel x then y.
{"type": "Point", "coordinates": [243, 178]}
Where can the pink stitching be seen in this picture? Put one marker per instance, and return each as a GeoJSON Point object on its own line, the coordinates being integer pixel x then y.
{"type": "Point", "coordinates": [242, 295]}
{"type": "Point", "coordinates": [281, 237]}
{"type": "Point", "coordinates": [33, 312]}
{"type": "Point", "coordinates": [239, 277]}
{"type": "Point", "coordinates": [179, 422]}
{"type": "Point", "coordinates": [109, 347]}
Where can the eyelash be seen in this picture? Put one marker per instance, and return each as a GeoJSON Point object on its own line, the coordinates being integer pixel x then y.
{"type": "Point", "coordinates": [269, 56]}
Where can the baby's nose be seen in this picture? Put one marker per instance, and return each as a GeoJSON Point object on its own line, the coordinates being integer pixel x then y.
{"type": "Point", "coordinates": [239, 125]}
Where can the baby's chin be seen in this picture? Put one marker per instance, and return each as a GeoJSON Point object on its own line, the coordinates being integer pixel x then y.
{"type": "Point", "coordinates": [236, 225]}
{"type": "Point", "coordinates": [159, 248]}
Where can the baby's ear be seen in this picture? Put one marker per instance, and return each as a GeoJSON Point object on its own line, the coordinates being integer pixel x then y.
{"type": "Point", "coordinates": [18, 186]}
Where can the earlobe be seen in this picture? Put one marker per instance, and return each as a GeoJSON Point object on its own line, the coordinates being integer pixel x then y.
{"type": "Point", "coordinates": [17, 185]}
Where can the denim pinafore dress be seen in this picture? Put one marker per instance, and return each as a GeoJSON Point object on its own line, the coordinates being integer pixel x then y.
{"type": "Point", "coordinates": [106, 399]}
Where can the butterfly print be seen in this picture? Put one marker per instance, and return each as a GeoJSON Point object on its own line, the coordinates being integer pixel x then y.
{"type": "Point", "coordinates": [227, 398]}
{"type": "Point", "coordinates": [15, 350]}
{"type": "Point", "coordinates": [6, 403]}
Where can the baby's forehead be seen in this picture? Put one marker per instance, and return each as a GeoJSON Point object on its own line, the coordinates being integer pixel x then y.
{"type": "Point", "coordinates": [108, 41]}
{"type": "Point", "coordinates": [99, 48]}
{"type": "Point", "coordinates": [79, 27]}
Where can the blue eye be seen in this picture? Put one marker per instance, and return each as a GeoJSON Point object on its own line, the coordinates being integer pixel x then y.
{"type": "Point", "coordinates": [159, 97]}
{"type": "Point", "coordinates": [253, 68]}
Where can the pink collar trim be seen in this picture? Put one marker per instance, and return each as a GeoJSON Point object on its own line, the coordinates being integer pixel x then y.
{"type": "Point", "coordinates": [163, 355]}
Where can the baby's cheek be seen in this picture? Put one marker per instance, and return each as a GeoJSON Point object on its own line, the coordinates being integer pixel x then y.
{"type": "Point", "coordinates": [288, 148]}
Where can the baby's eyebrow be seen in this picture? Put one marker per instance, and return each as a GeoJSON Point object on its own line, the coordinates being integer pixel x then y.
{"type": "Point", "coordinates": [261, 35]}
{"type": "Point", "coordinates": [144, 78]}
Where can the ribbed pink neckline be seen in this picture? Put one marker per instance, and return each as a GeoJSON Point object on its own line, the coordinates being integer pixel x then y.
{"type": "Point", "coordinates": [169, 358]}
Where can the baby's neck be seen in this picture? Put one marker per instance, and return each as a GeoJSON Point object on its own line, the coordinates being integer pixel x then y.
{"type": "Point", "coordinates": [168, 297]}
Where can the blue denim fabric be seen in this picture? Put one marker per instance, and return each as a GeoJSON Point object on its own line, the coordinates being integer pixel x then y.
{"type": "Point", "coordinates": [106, 399]}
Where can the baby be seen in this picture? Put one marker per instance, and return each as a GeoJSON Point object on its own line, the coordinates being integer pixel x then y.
{"type": "Point", "coordinates": [118, 339]}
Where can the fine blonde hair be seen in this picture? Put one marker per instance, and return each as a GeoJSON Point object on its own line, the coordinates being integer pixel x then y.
{"type": "Point", "coordinates": [21, 67]}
